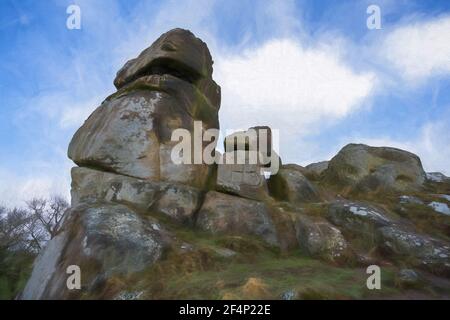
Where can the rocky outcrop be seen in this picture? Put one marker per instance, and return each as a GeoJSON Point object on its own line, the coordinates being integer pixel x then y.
{"type": "Point", "coordinates": [167, 87]}
{"type": "Point", "coordinates": [226, 214]}
{"type": "Point", "coordinates": [137, 213]}
{"type": "Point", "coordinates": [362, 168]}
{"type": "Point", "coordinates": [126, 176]}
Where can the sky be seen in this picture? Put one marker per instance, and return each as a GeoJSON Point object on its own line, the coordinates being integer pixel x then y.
{"type": "Point", "coordinates": [311, 69]}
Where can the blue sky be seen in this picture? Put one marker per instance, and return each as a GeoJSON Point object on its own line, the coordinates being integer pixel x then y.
{"type": "Point", "coordinates": [311, 69]}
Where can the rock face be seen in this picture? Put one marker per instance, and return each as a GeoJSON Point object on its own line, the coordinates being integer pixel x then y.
{"type": "Point", "coordinates": [177, 201]}
{"type": "Point", "coordinates": [362, 168]}
{"type": "Point", "coordinates": [126, 176]}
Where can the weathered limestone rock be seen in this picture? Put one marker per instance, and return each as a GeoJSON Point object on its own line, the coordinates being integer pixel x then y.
{"type": "Point", "coordinates": [248, 155]}
{"type": "Point", "coordinates": [243, 178]}
{"type": "Point", "coordinates": [226, 214]}
{"type": "Point", "coordinates": [430, 253]}
{"type": "Point", "coordinates": [407, 278]}
{"type": "Point", "coordinates": [180, 202]}
{"type": "Point", "coordinates": [291, 185]}
{"type": "Point", "coordinates": [167, 87]}
{"type": "Point", "coordinates": [103, 240]}
{"type": "Point", "coordinates": [318, 238]}
{"type": "Point", "coordinates": [357, 217]}
{"type": "Point", "coordinates": [363, 169]}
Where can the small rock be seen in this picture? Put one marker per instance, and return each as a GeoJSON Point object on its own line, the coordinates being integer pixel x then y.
{"type": "Point", "coordinates": [440, 207]}
{"type": "Point", "coordinates": [289, 295]}
{"type": "Point", "coordinates": [135, 295]}
{"type": "Point", "coordinates": [410, 200]}
{"type": "Point", "coordinates": [407, 278]}
{"type": "Point", "coordinates": [224, 252]}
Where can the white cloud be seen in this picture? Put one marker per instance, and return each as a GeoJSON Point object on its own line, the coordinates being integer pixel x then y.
{"type": "Point", "coordinates": [419, 50]}
{"type": "Point", "coordinates": [15, 189]}
{"type": "Point", "coordinates": [289, 87]}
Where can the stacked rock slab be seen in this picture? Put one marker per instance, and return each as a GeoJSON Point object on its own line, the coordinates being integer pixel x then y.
{"type": "Point", "coordinates": [247, 156]}
{"type": "Point", "coordinates": [125, 171]}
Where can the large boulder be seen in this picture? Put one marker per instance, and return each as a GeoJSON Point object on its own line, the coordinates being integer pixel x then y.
{"type": "Point", "coordinates": [423, 250]}
{"type": "Point", "coordinates": [248, 156]}
{"type": "Point", "coordinates": [361, 168]}
{"type": "Point", "coordinates": [226, 214]}
{"type": "Point", "coordinates": [103, 240]}
{"type": "Point", "coordinates": [177, 201]}
{"type": "Point", "coordinates": [241, 176]}
{"type": "Point", "coordinates": [168, 87]}
{"type": "Point", "coordinates": [357, 217]}
{"type": "Point", "coordinates": [318, 238]}
{"type": "Point", "coordinates": [177, 49]}
{"type": "Point", "coordinates": [289, 184]}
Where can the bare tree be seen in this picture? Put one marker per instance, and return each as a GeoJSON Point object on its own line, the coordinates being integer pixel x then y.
{"type": "Point", "coordinates": [13, 233]}
{"type": "Point", "coordinates": [47, 213]}
{"type": "Point", "coordinates": [30, 228]}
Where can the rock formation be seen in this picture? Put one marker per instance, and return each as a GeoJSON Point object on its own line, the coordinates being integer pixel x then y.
{"type": "Point", "coordinates": [137, 218]}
